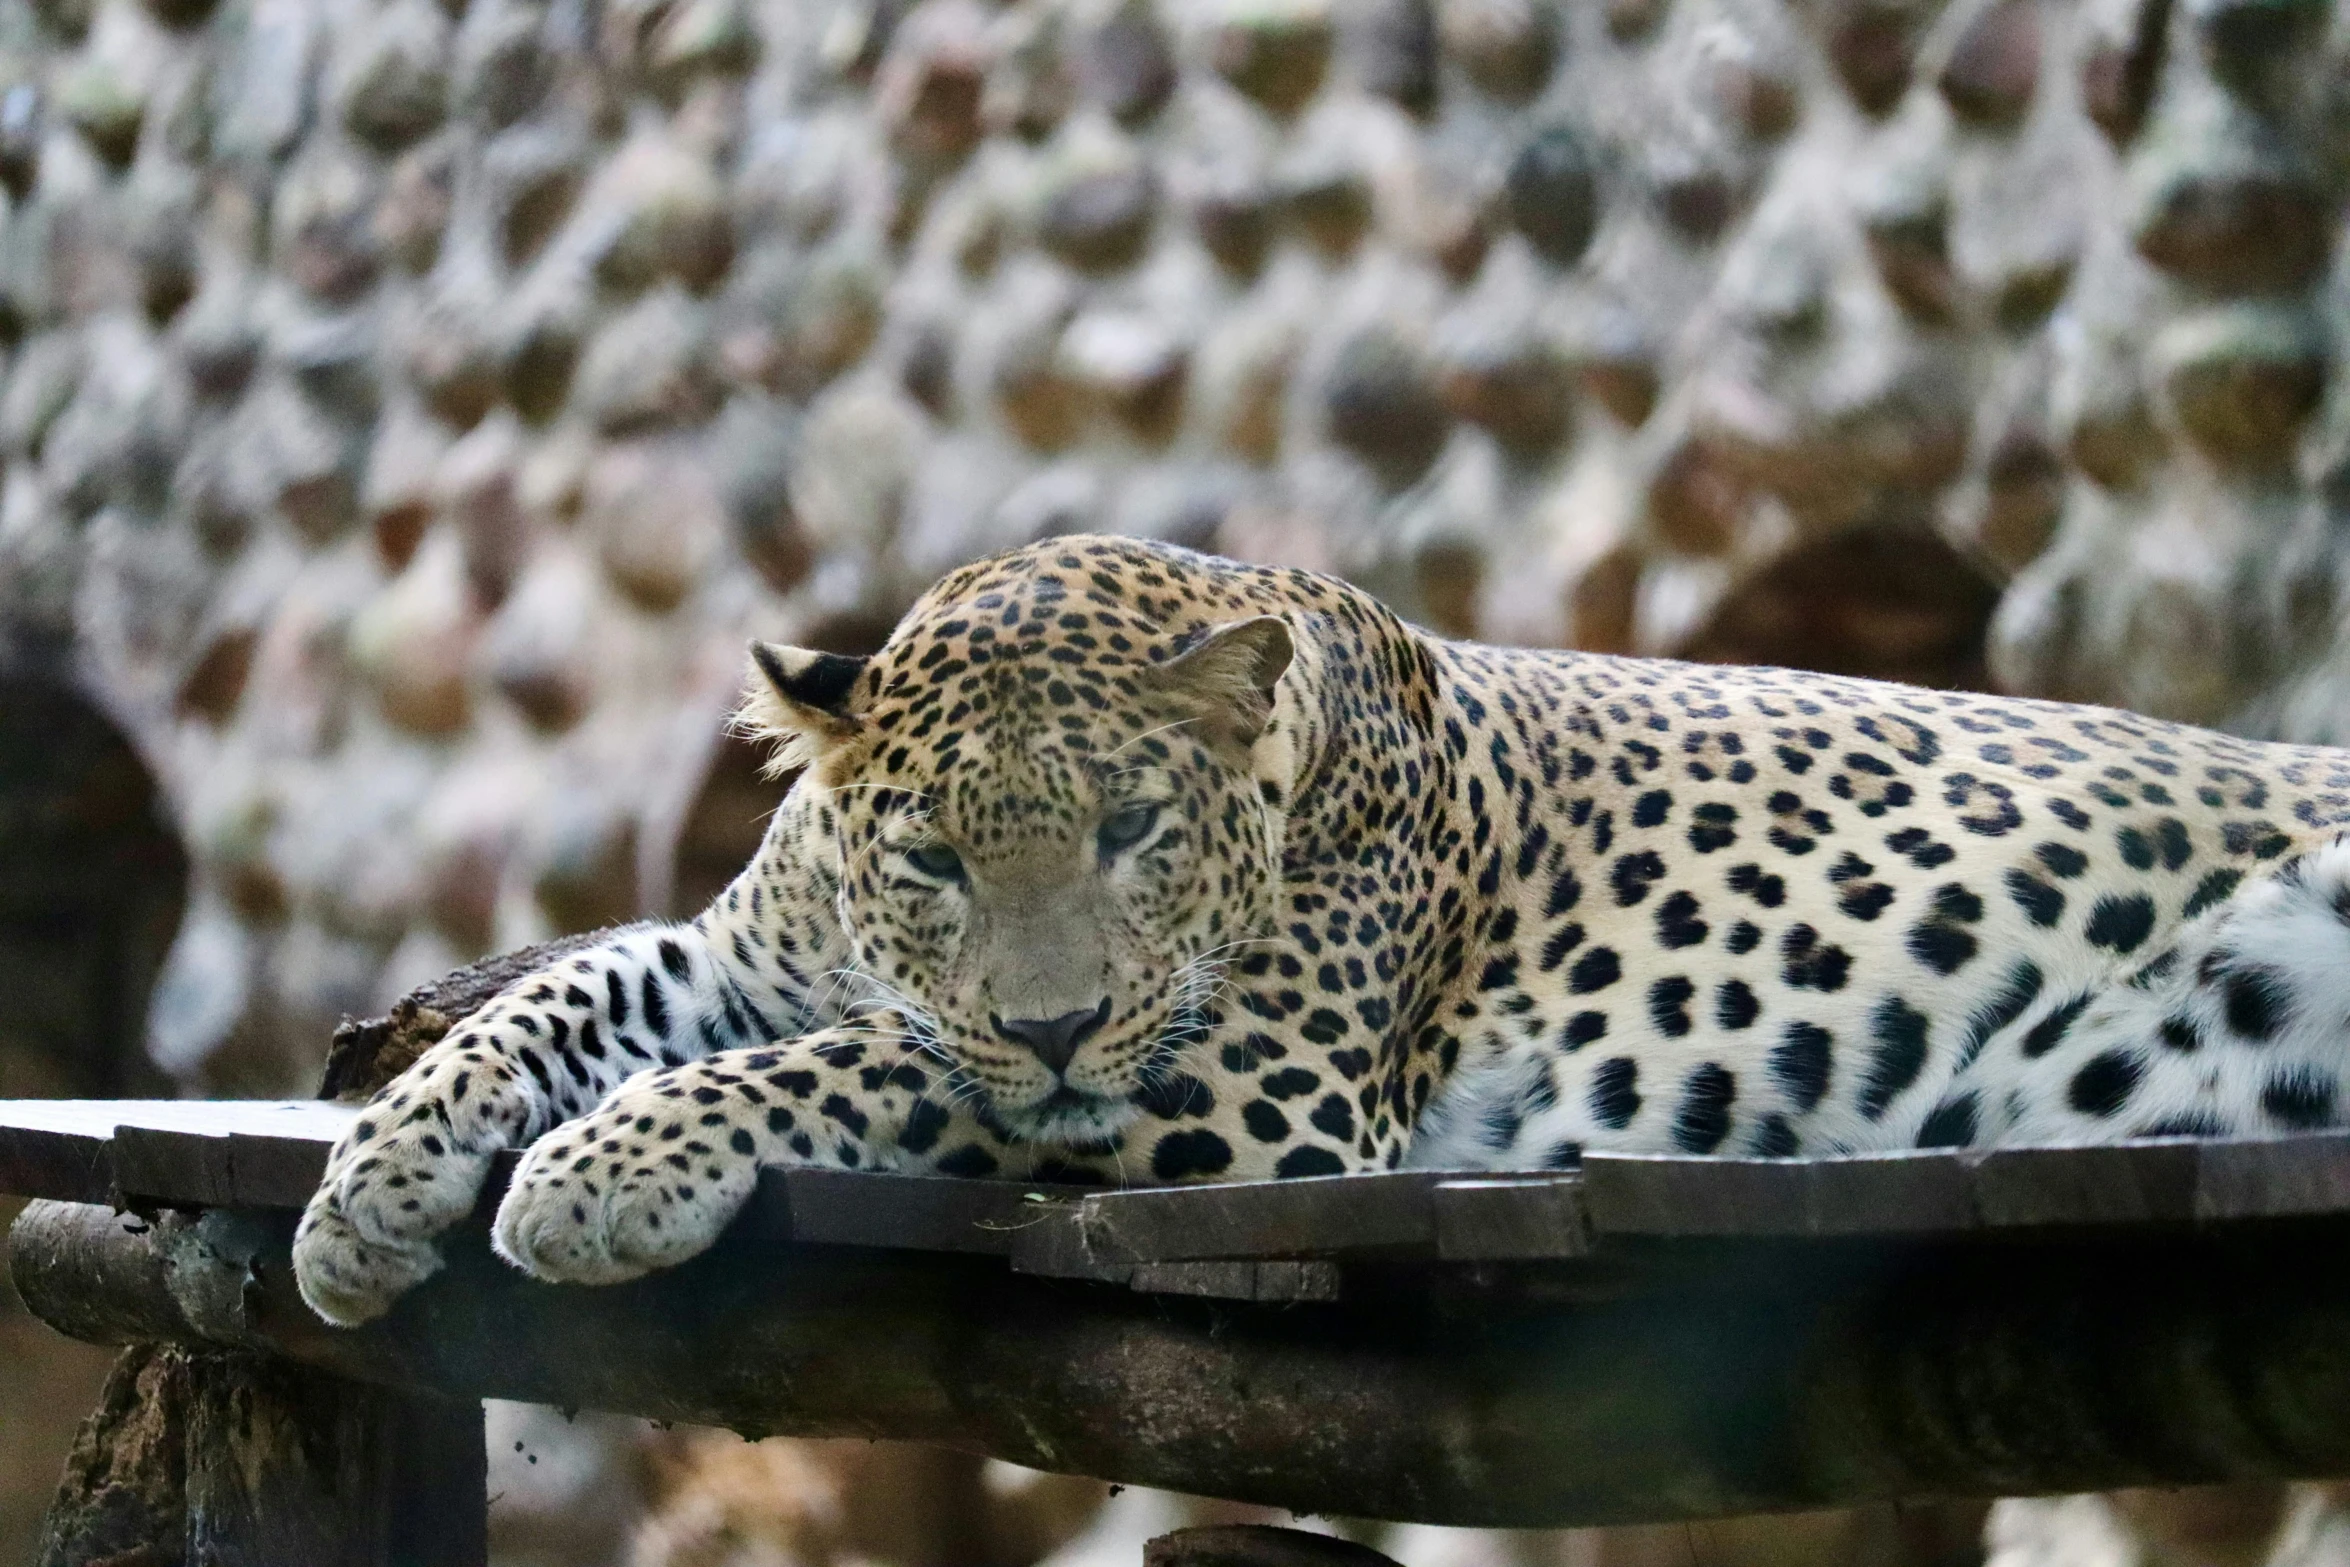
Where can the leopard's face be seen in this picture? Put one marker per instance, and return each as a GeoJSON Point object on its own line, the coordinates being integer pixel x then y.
{"type": "Point", "coordinates": [1058, 912]}
{"type": "Point", "coordinates": [1056, 820]}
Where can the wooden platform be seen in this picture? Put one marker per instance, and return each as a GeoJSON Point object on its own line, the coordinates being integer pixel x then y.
{"type": "Point", "coordinates": [1633, 1339]}
{"type": "Point", "coordinates": [269, 1155]}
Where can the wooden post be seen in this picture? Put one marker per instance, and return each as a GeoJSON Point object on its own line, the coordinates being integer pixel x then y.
{"type": "Point", "coordinates": [238, 1460]}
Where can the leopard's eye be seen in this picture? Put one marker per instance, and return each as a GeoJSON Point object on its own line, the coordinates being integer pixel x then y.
{"type": "Point", "coordinates": [1126, 827]}
{"type": "Point", "coordinates": [936, 860]}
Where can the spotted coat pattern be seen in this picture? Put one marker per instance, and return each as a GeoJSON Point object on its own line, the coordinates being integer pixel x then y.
{"type": "Point", "coordinates": [1412, 902]}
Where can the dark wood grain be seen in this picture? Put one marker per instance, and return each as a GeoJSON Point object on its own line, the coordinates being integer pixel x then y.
{"type": "Point", "coordinates": [1693, 1376]}
{"type": "Point", "coordinates": [1323, 1215]}
{"type": "Point", "coordinates": [269, 1154]}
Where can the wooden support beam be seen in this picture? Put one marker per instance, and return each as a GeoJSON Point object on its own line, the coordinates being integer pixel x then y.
{"type": "Point", "coordinates": [236, 1459]}
{"type": "Point", "coordinates": [1655, 1379]}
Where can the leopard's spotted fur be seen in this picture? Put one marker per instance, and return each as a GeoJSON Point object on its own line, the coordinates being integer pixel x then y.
{"type": "Point", "coordinates": [1401, 900]}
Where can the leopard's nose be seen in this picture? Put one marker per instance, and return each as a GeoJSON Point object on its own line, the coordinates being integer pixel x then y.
{"type": "Point", "coordinates": [1054, 1039]}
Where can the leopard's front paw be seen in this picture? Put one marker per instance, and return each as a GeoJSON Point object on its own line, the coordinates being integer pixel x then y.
{"type": "Point", "coordinates": [607, 1198]}
{"type": "Point", "coordinates": [349, 1279]}
{"type": "Point", "coordinates": [411, 1166]}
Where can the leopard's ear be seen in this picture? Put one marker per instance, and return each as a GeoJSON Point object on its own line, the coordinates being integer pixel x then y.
{"type": "Point", "coordinates": [800, 702]}
{"type": "Point", "coordinates": [1229, 673]}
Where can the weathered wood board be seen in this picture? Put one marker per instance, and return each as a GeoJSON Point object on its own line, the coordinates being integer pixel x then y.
{"type": "Point", "coordinates": [269, 1154]}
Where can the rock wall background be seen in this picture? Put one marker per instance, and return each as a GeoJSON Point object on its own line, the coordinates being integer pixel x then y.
{"type": "Point", "coordinates": [410, 408]}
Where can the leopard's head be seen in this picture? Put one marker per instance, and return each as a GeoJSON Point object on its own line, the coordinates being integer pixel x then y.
{"type": "Point", "coordinates": [1057, 802]}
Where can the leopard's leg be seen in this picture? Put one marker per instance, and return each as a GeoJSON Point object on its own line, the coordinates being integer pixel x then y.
{"type": "Point", "coordinates": [653, 1175]}
{"type": "Point", "coordinates": [547, 1049]}
{"type": "Point", "coordinates": [657, 1171]}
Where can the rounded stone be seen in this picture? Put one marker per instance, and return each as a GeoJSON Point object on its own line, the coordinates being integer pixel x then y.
{"type": "Point", "coordinates": [42, 381]}
{"type": "Point", "coordinates": [2243, 35]}
{"type": "Point", "coordinates": [654, 514]}
{"type": "Point", "coordinates": [451, 355]}
{"type": "Point", "coordinates": [791, 322]}
{"type": "Point", "coordinates": [323, 222]}
{"type": "Point", "coordinates": [752, 450]}
{"type": "Point", "coordinates": [68, 19]}
{"type": "Point", "coordinates": [413, 641]}
{"type": "Point", "coordinates": [476, 486]}
{"type": "Point", "coordinates": [532, 178]}
{"type": "Point", "coordinates": [397, 496]}
{"type": "Point", "coordinates": [1507, 47]}
{"type": "Point", "coordinates": [1873, 44]}
{"type": "Point", "coordinates": [1131, 365]}
{"type": "Point", "coordinates": [1994, 68]}
{"type": "Point", "coordinates": [540, 349]}
{"type": "Point", "coordinates": [301, 458]}
{"type": "Point", "coordinates": [1912, 253]}
{"type": "Point", "coordinates": [1325, 196]}
{"type": "Point", "coordinates": [2023, 499]}
{"type": "Point", "coordinates": [1764, 101]}
{"type": "Point", "coordinates": [2242, 380]}
{"type": "Point", "coordinates": [1511, 382]}
{"type": "Point", "coordinates": [1382, 403]}
{"type": "Point", "coordinates": [1234, 218]}
{"type": "Point", "coordinates": [1030, 88]}
{"type": "Point", "coordinates": [2230, 215]}
{"type": "Point", "coordinates": [1696, 504]}
{"type": "Point", "coordinates": [22, 115]}
{"type": "Point", "coordinates": [581, 847]}
{"type": "Point", "coordinates": [1099, 219]}
{"type": "Point", "coordinates": [392, 84]}
{"type": "Point", "coordinates": [650, 366]}
{"type": "Point", "coordinates": [697, 38]}
{"type": "Point", "coordinates": [1390, 49]}
{"type": "Point", "coordinates": [1552, 192]}
{"type": "Point", "coordinates": [501, 68]}
{"type": "Point", "coordinates": [932, 82]}
{"type": "Point", "coordinates": [1275, 51]}
{"type": "Point", "coordinates": [1121, 61]}
{"type": "Point", "coordinates": [538, 650]}
{"type": "Point", "coordinates": [2099, 408]}
{"type": "Point", "coordinates": [1629, 21]}
{"type": "Point", "coordinates": [106, 104]}
{"type": "Point", "coordinates": [656, 210]}
{"type": "Point", "coordinates": [1696, 197]}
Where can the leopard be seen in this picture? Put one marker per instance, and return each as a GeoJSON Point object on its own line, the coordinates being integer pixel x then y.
{"type": "Point", "coordinates": [1120, 864]}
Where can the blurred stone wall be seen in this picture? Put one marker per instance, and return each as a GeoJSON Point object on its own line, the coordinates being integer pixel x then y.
{"type": "Point", "coordinates": [410, 408]}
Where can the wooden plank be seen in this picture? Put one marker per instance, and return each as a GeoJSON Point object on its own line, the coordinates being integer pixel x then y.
{"type": "Point", "coordinates": [1250, 1281]}
{"type": "Point", "coordinates": [1315, 1216]}
{"type": "Point", "coordinates": [269, 1154]}
{"type": "Point", "coordinates": [66, 1164]}
{"type": "Point", "coordinates": [1511, 1220]}
{"type": "Point", "coordinates": [2290, 1177]}
{"type": "Point", "coordinates": [2137, 1183]}
{"type": "Point", "coordinates": [1054, 1247]}
{"type": "Point", "coordinates": [167, 1150]}
{"type": "Point", "coordinates": [1909, 1193]}
{"type": "Point", "coordinates": [910, 1212]}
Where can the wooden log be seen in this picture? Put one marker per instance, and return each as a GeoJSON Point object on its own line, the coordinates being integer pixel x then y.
{"type": "Point", "coordinates": [234, 1459]}
{"type": "Point", "coordinates": [1662, 1379]}
{"type": "Point", "coordinates": [288, 1464]}
{"type": "Point", "coordinates": [124, 1497]}
{"type": "Point", "coordinates": [369, 1053]}
{"type": "Point", "coordinates": [1256, 1545]}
